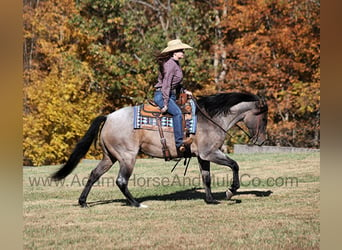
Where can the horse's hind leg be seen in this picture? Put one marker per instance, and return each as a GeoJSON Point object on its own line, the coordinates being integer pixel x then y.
{"type": "Point", "coordinates": [104, 165]}
{"type": "Point", "coordinates": [126, 169]}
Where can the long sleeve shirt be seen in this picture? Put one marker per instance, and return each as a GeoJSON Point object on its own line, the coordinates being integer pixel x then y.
{"type": "Point", "coordinates": [173, 76]}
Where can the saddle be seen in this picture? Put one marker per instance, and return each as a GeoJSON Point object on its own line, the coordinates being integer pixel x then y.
{"type": "Point", "coordinates": [152, 110]}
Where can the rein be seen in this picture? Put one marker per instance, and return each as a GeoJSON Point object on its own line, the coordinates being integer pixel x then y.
{"type": "Point", "coordinates": [207, 116]}
{"type": "Point", "coordinates": [186, 163]}
{"type": "Point", "coordinates": [215, 123]}
{"type": "Point", "coordinates": [243, 130]}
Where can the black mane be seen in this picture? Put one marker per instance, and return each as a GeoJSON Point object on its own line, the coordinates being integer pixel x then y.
{"type": "Point", "coordinates": [221, 103]}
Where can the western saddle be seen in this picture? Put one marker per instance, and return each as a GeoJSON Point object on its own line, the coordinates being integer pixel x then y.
{"type": "Point", "coordinates": [153, 110]}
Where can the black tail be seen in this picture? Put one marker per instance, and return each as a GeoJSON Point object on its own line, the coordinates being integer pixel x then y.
{"type": "Point", "coordinates": [80, 150]}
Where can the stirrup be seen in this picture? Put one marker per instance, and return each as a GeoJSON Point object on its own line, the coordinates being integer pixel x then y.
{"type": "Point", "coordinates": [181, 148]}
{"type": "Point", "coordinates": [184, 151]}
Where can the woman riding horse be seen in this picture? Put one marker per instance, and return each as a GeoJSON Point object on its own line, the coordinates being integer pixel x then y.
{"type": "Point", "coordinates": [169, 86]}
{"type": "Point", "coordinates": [121, 142]}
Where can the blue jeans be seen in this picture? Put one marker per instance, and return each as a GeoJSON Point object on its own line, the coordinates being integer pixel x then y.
{"type": "Point", "coordinates": [176, 113]}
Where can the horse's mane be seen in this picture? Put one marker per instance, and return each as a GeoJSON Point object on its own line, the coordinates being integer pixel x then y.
{"type": "Point", "coordinates": [221, 103]}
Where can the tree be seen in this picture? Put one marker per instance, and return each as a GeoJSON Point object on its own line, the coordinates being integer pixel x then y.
{"type": "Point", "coordinates": [60, 97]}
{"type": "Point", "coordinates": [104, 51]}
{"type": "Point", "coordinates": [273, 50]}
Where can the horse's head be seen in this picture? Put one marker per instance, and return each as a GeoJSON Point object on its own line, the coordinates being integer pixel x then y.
{"type": "Point", "coordinates": [256, 122]}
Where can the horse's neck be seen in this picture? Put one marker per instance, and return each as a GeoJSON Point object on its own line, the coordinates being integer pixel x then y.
{"type": "Point", "coordinates": [228, 121]}
{"type": "Point", "coordinates": [237, 114]}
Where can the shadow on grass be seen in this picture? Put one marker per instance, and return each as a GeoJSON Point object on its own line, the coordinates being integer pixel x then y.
{"type": "Point", "coordinates": [188, 194]}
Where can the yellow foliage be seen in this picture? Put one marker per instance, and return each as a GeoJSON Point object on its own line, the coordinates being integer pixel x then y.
{"type": "Point", "coordinates": [61, 108]}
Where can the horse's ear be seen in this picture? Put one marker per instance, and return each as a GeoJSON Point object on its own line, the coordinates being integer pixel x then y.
{"type": "Point", "coordinates": [261, 106]}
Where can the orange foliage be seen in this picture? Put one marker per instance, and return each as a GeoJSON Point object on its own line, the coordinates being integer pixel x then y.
{"type": "Point", "coordinates": [273, 50]}
{"type": "Point", "coordinates": [82, 58]}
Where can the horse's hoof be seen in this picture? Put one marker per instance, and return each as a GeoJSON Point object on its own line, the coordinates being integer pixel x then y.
{"type": "Point", "coordinates": [143, 206]}
{"type": "Point", "coordinates": [229, 194]}
{"type": "Point", "coordinates": [83, 204]}
{"type": "Point", "coordinates": [212, 202]}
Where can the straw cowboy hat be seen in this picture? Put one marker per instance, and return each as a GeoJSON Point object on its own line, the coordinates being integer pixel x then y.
{"type": "Point", "coordinates": [175, 45]}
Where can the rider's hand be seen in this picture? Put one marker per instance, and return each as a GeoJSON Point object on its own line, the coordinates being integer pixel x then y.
{"type": "Point", "coordinates": [188, 92]}
{"type": "Point", "coordinates": [164, 109]}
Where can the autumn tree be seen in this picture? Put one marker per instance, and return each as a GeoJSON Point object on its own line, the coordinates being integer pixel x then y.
{"type": "Point", "coordinates": [60, 98]}
{"type": "Point", "coordinates": [88, 57]}
{"type": "Point", "coordinates": [127, 35]}
{"type": "Point", "coordinates": [273, 50]}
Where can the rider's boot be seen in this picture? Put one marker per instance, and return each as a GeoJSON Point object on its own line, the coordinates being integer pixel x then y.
{"type": "Point", "coordinates": [181, 149]}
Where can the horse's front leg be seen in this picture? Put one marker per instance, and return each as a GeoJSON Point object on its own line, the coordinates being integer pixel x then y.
{"type": "Point", "coordinates": [205, 171]}
{"type": "Point", "coordinates": [220, 158]}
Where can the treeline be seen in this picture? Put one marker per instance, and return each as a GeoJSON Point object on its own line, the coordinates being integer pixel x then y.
{"type": "Point", "coordinates": [88, 57]}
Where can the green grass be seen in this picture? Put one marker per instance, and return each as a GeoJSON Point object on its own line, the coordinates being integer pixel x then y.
{"type": "Point", "coordinates": [264, 215]}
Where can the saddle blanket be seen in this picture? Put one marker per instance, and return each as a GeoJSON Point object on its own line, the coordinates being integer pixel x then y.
{"type": "Point", "coordinates": [150, 123]}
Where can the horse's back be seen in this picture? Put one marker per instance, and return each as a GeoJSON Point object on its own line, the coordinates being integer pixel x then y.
{"type": "Point", "coordinates": [119, 124]}
{"type": "Point", "coordinates": [123, 113]}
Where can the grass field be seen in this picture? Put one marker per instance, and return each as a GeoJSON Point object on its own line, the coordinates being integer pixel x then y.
{"type": "Point", "coordinates": [276, 207]}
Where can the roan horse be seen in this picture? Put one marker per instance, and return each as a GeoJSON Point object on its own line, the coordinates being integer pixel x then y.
{"type": "Point", "coordinates": [120, 142]}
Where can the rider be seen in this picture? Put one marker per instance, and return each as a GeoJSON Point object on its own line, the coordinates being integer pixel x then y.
{"type": "Point", "coordinates": [169, 86]}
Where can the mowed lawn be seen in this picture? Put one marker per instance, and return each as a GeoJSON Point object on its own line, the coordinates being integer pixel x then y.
{"type": "Point", "coordinates": [276, 207]}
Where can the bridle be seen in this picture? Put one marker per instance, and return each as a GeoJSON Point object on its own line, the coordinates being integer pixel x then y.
{"type": "Point", "coordinates": [186, 163]}
{"type": "Point", "coordinates": [249, 136]}
{"type": "Point", "coordinates": [262, 110]}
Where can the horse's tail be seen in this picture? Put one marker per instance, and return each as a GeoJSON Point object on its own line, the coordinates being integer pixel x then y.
{"type": "Point", "coordinates": [81, 149]}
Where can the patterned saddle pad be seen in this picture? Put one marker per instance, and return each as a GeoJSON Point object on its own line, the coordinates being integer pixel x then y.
{"type": "Point", "coordinates": [144, 119]}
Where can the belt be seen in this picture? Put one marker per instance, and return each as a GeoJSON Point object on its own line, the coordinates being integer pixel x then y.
{"type": "Point", "coordinates": [172, 88]}
{"type": "Point", "coordinates": [172, 91]}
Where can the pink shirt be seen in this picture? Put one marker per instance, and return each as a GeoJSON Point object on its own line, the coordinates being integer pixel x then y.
{"type": "Point", "coordinates": [173, 76]}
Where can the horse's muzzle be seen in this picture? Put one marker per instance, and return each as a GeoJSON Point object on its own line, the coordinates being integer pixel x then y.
{"type": "Point", "coordinates": [257, 140]}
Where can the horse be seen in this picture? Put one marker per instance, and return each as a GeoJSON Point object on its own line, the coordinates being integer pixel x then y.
{"type": "Point", "coordinates": [119, 141]}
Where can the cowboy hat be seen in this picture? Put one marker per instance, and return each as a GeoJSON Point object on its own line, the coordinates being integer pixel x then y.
{"type": "Point", "coordinates": [175, 45]}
